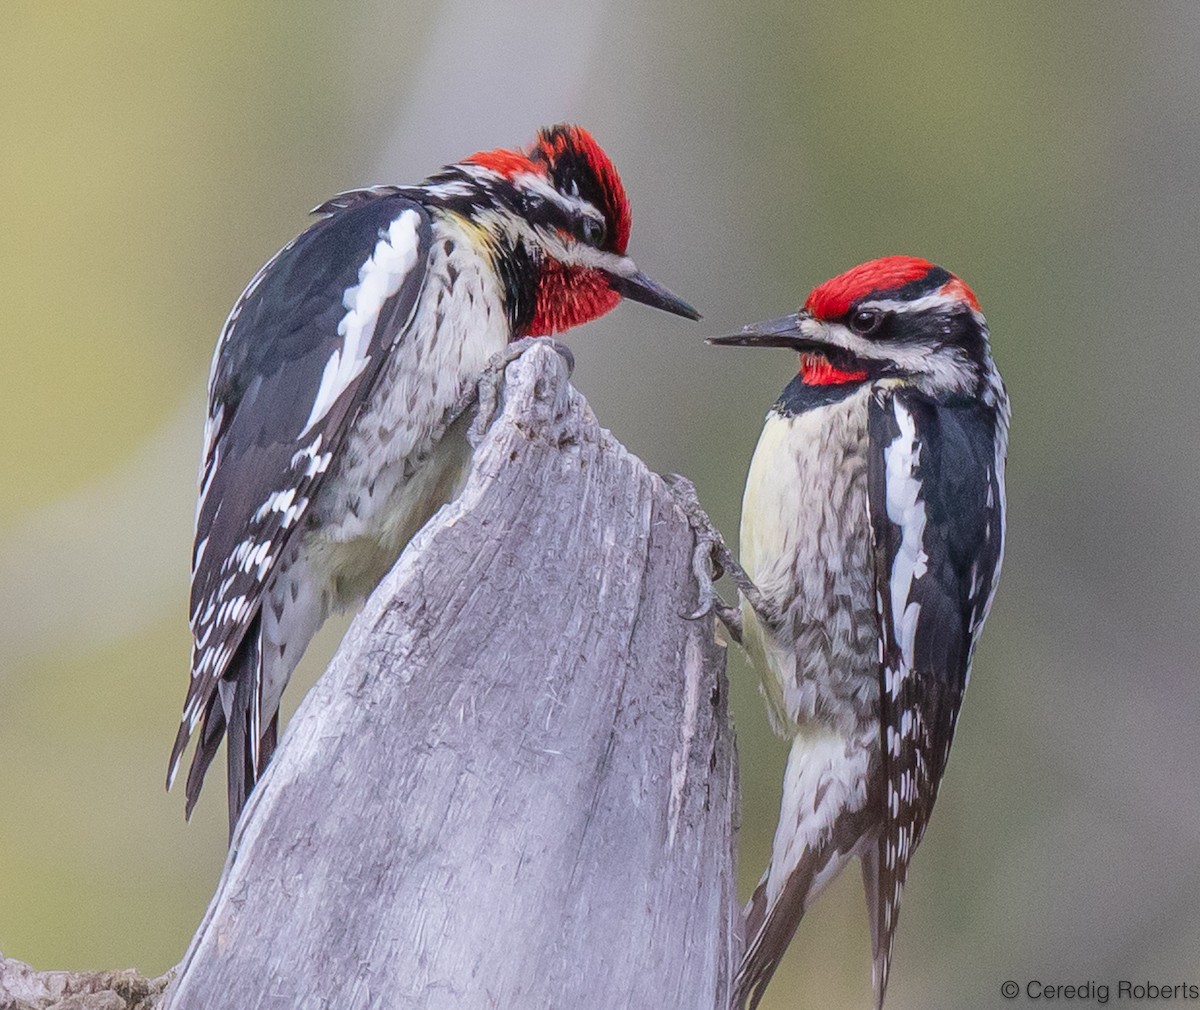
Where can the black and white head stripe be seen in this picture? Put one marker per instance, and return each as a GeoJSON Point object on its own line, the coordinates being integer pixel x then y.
{"type": "Point", "coordinates": [902, 316]}
{"type": "Point", "coordinates": [936, 495]}
{"type": "Point", "coordinates": [904, 280]}
{"type": "Point", "coordinates": [897, 318]}
{"type": "Point", "coordinates": [527, 210]}
{"type": "Point", "coordinates": [296, 359]}
{"type": "Point", "coordinates": [937, 291]}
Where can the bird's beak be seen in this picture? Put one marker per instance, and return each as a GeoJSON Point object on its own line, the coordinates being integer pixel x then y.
{"type": "Point", "coordinates": [782, 332]}
{"type": "Point", "coordinates": [640, 288]}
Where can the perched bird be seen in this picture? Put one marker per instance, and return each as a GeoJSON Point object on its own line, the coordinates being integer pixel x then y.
{"type": "Point", "coordinates": [873, 528]}
{"type": "Point", "coordinates": [330, 381]}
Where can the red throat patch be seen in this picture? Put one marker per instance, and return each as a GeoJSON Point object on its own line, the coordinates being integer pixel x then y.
{"type": "Point", "coordinates": [567, 298]}
{"type": "Point", "coordinates": [815, 370]}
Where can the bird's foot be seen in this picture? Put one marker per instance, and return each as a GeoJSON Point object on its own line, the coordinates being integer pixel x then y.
{"type": "Point", "coordinates": [712, 559]}
{"type": "Point", "coordinates": [486, 392]}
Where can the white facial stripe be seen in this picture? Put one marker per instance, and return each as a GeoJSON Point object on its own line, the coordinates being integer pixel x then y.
{"type": "Point", "coordinates": [936, 301]}
{"type": "Point", "coordinates": [479, 172]}
{"type": "Point", "coordinates": [578, 254]}
{"type": "Point", "coordinates": [938, 368]}
{"type": "Point", "coordinates": [946, 368]}
{"type": "Point", "coordinates": [456, 187]}
{"type": "Point", "coordinates": [379, 278]}
{"type": "Point", "coordinates": [569, 253]}
{"type": "Point", "coordinates": [572, 205]}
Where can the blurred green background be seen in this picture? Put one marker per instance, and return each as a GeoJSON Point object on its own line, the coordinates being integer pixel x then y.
{"type": "Point", "coordinates": [155, 154]}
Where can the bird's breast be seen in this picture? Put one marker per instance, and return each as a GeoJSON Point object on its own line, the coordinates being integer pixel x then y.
{"type": "Point", "coordinates": [805, 541]}
{"type": "Point", "coordinates": [392, 476]}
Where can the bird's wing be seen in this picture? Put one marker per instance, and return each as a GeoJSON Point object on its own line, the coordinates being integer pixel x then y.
{"type": "Point", "coordinates": [295, 361]}
{"type": "Point", "coordinates": [936, 493]}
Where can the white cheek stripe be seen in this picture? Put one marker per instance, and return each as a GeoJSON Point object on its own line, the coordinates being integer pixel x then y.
{"type": "Point", "coordinates": [906, 510]}
{"type": "Point", "coordinates": [379, 278]}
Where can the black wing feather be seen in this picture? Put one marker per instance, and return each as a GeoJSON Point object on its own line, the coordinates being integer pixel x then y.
{"type": "Point", "coordinates": [268, 367]}
{"type": "Point", "coordinates": [935, 481]}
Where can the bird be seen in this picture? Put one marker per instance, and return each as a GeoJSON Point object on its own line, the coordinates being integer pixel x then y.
{"type": "Point", "coordinates": [872, 529]}
{"type": "Point", "coordinates": [328, 384]}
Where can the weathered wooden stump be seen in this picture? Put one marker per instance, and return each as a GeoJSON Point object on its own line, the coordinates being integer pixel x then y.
{"type": "Point", "coordinates": [22, 988]}
{"type": "Point", "coordinates": [515, 786]}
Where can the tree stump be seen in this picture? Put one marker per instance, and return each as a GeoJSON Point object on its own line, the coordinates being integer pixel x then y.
{"type": "Point", "coordinates": [515, 785]}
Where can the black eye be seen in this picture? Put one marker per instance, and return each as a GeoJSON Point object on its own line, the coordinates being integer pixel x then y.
{"type": "Point", "coordinates": [590, 231]}
{"type": "Point", "coordinates": [864, 322]}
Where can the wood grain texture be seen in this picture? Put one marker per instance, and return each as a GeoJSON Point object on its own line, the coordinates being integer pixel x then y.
{"type": "Point", "coordinates": [515, 786]}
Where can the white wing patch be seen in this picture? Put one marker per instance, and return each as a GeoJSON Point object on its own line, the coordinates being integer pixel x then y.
{"type": "Point", "coordinates": [907, 511]}
{"type": "Point", "coordinates": [379, 278]}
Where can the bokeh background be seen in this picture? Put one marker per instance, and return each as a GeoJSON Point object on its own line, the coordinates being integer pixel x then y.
{"type": "Point", "coordinates": [155, 154]}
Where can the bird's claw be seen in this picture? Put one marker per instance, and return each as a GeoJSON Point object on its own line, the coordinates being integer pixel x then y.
{"type": "Point", "coordinates": [490, 381]}
{"type": "Point", "coordinates": [711, 559]}
{"type": "Point", "coordinates": [486, 391]}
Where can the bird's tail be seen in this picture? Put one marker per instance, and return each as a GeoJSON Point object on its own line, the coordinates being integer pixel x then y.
{"type": "Point", "coordinates": [212, 732]}
{"type": "Point", "coordinates": [824, 820]}
{"type": "Point", "coordinates": [234, 712]}
{"type": "Point", "coordinates": [770, 925]}
{"type": "Point", "coordinates": [249, 744]}
{"type": "Point", "coordinates": [883, 924]}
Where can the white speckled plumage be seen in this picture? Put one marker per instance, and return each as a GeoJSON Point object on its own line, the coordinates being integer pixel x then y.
{"type": "Point", "coordinates": [805, 542]}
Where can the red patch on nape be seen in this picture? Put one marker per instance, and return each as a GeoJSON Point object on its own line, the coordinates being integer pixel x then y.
{"type": "Point", "coordinates": [564, 143]}
{"type": "Point", "coordinates": [505, 163]}
{"type": "Point", "coordinates": [833, 299]}
{"type": "Point", "coordinates": [958, 289]}
{"type": "Point", "coordinates": [815, 370]}
{"type": "Point", "coordinates": [569, 297]}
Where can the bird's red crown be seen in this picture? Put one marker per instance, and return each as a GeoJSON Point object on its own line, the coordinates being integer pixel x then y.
{"type": "Point", "coordinates": [836, 297]}
{"type": "Point", "coordinates": [571, 154]}
{"type": "Point", "coordinates": [568, 156]}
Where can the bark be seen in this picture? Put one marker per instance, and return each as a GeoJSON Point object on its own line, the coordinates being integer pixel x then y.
{"type": "Point", "coordinates": [22, 988]}
{"type": "Point", "coordinates": [515, 786]}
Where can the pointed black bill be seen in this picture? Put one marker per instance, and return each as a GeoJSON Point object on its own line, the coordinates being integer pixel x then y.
{"type": "Point", "coordinates": [640, 288]}
{"type": "Point", "coordinates": [781, 332]}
